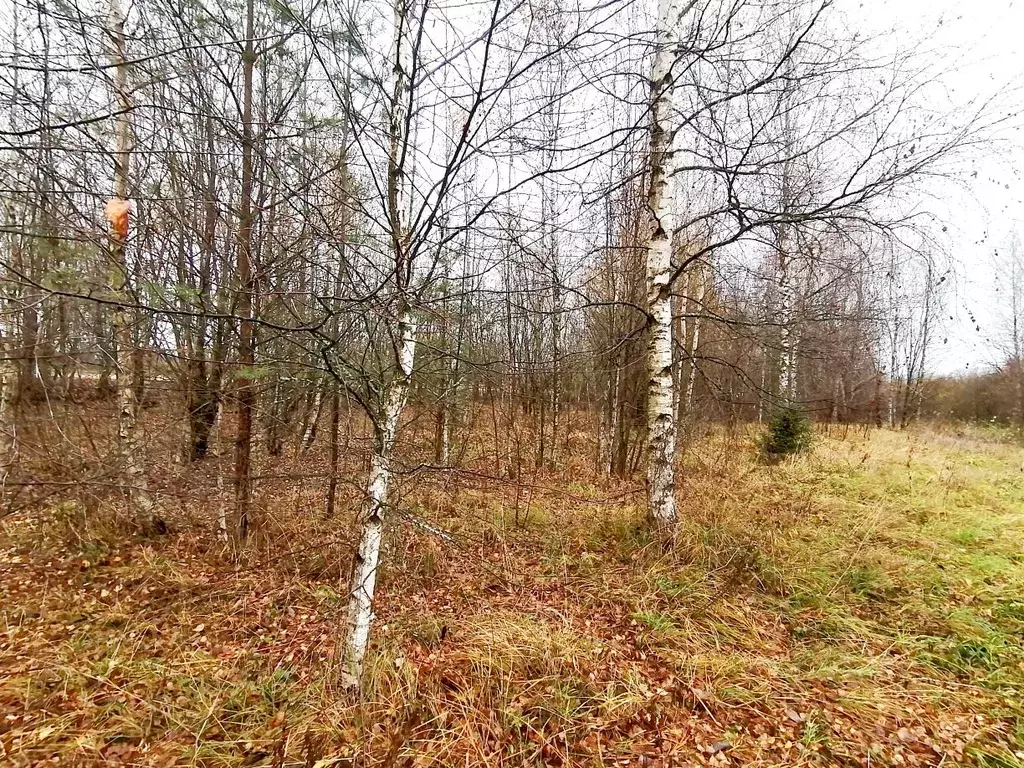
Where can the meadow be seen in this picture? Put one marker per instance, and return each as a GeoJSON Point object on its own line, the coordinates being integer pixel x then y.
{"type": "Point", "coordinates": [859, 605]}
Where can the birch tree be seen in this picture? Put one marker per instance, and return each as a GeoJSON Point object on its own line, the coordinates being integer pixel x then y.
{"type": "Point", "coordinates": [660, 398]}
{"type": "Point", "coordinates": [389, 399]}
{"type": "Point", "coordinates": [423, 202]}
{"type": "Point", "coordinates": [742, 70]}
{"type": "Point", "coordinates": [129, 368]}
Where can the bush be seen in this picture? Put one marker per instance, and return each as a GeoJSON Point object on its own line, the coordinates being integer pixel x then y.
{"type": "Point", "coordinates": [789, 432]}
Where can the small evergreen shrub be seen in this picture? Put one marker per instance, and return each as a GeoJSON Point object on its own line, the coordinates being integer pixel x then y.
{"type": "Point", "coordinates": [789, 432]}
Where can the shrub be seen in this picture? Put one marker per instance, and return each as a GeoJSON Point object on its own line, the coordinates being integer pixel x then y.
{"type": "Point", "coordinates": [789, 432]}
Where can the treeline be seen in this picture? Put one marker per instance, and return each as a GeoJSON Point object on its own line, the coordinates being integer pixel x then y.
{"type": "Point", "coordinates": [995, 397]}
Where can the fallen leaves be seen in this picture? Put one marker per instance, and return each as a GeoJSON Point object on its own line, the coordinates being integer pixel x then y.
{"type": "Point", "coordinates": [574, 654]}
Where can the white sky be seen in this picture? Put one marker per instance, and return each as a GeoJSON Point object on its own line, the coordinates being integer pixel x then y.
{"type": "Point", "coordinates": [981, 44]}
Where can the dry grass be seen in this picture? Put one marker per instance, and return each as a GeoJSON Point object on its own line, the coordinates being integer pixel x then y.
{"type": "Point", "coordinates": [860, 606]}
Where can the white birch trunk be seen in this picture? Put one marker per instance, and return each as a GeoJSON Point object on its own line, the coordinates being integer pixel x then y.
{"type": "Point", "coordinates": [222, 510]}
{"type": "Point", "coordinates": [367, 561]}
{"type": "Point", "coordinates": [763, 392]}
{"type": "Point", "coordinates": [446, 435]}
{"type": "Point", "coordinates": [128, 437]}
{"type": "Point", "coordinates": [785, 249]}
{"type": "Point", "coordinates": [660, 416]}
{"type": "Point", "coordinates": [556, 383]}
{"type": "Point", "coordinates": [891, 389]}
{"type": "Point", "coordinates": [314, 416]}
{"type": "Point", "coordinates": [614, 425]}
{"type": "Point", "coordinates": [785, 323]}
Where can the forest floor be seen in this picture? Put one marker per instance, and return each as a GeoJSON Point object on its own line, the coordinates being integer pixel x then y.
{"type": "Point", "coordinates": [863, 605]}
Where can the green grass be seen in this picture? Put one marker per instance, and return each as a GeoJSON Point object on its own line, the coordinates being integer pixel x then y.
{"type": "Point", "coordinates": [894, 564]}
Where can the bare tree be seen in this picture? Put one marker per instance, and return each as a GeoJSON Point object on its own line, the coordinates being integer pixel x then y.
{"type": "Point", "coordinates": [129, 362]}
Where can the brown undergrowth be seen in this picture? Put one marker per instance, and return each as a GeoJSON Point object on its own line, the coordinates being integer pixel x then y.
{"type": "Point", "coordinates": [859, 606]}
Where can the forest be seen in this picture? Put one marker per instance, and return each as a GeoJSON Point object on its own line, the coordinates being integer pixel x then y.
{"type": "Point", "coordinates": [501, 382]}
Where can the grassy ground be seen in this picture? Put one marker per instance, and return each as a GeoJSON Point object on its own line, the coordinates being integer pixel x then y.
{"type": "Point", "coordinates": [863, 605]}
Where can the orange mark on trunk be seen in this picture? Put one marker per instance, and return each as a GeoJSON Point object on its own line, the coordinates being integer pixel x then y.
{"type": "Point", "coordinates": [117, 211]}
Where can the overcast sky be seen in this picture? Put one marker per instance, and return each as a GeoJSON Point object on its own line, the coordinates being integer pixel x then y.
{"type": "Point", "coordinates": [979, 43]}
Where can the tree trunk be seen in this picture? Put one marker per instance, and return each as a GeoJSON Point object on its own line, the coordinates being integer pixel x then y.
{"type": "Point", "coordinates": [202, 417]}
{"type": "Point", "coordinates": [679, 337]}
{"type": "Point", "coordinates": [204, 393]}
{"type": "Point", "coordinates": [278, 411]}
{"type": "Point", "coordinates": [332, 481]}
{"type": "Point", "coordinates": [367, 560]}
{"type": "Point", "coordinates": [309, 434]}
{"type": "Point", "coordinates": [31, 383]}
{"type": "Point", "coordinates": [1018, 392]}
{"type": "Point", "coordinates": [9, 380]}
{"type": "Point", "coordinates": [661, 447]}
{"type": "Point", "coordinates": [556, 363]}
{"type": "Point", "coordinates": [604, 429]}
{"type": "Point", "coordinates": [130, 443]}
{"type": "Point", "coordinates": [620, 427]}
{"type": "Point", "coordinates": [694, 344]}
{"type": "Point", "coordinates": [442, 447]}
{"type": "Point", "coordinates": [8, 424]}
{"type": "Point", "coordinates": [246, 391]}
{"type": "Point", "coordinates": [785, 384]}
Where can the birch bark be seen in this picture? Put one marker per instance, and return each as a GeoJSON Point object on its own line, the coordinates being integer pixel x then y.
{"type": "Point", "coordinates": [367, 560]}
{"type": "Point", "coordinates": [309, 433]}
{"type": "Point", "coordinates": [785, 320]}
{"type": "Point", "coordinates": [246, 391]}
{"type": "Point", "coordinates": [128, 436]}
{"type": "Point", "coordinates": [395, 392]}
{"type": "Point", "coordinates": [660, 416]}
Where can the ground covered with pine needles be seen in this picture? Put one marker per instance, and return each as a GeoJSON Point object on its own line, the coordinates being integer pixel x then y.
{"type": "Point", "coordinates": [861, 605]}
